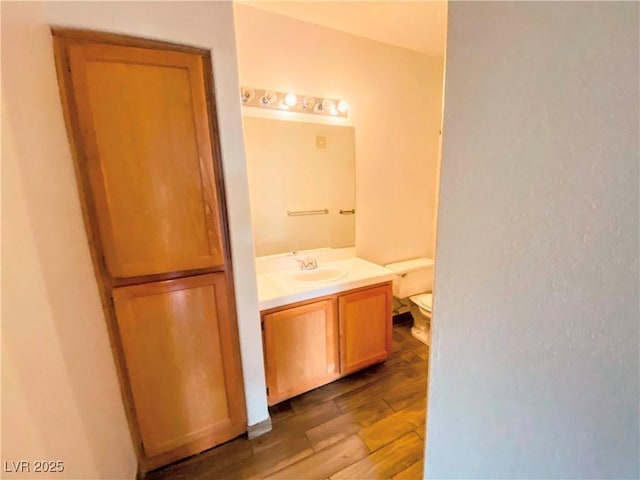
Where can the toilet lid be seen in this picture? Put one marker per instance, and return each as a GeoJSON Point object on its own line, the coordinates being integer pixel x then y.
{"type": "Point", "coordinates": [424, 300]}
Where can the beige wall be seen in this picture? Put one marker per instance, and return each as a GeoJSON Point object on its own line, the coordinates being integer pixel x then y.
{"type": "Point", "coordinates": [60, 398]}
{"type": "Point", "coordinates": [395, 107]}
{"type": "Point", "coordinates": [534, 367]}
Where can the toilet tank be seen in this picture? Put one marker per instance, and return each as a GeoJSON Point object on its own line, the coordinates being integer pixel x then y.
{"type": "Point", "coordinates": [412, 276]}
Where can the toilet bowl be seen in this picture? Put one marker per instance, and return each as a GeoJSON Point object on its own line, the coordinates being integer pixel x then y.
{"type": "Point", "coordinates": [421, 305]}
{"type": "Point", "coordinates": [412, 286]}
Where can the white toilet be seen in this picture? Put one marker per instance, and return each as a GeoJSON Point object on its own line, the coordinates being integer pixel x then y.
{"type": "Point", "coordinates": [414, 280]}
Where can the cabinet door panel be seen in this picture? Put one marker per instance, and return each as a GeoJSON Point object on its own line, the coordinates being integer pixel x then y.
{"type": "Point", "coordinates": [182, 360]}
{"type": "Point", "coordinates": [145, 132]}
{"type": "Point", "coordinates": [365, 327]}
{"type": "Point", "coordinates": [301, 348]}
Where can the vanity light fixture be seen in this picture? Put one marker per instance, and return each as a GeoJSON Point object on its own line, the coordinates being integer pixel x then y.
{"type": "Point", "coordinates": [292, 102]}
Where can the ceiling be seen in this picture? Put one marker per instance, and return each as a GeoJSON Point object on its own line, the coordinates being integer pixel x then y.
{"type": "Point", "coordinates": [419, 26]}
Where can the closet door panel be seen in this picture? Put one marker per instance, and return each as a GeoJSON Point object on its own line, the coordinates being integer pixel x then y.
{"type": "Point", "coordinates": [184, 373]}
{"type": "Point", "coordinates": [149, 157]}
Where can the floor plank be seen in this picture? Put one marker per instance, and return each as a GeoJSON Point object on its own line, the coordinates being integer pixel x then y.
{"type": "Point", "coordinates": [394, 426]}
{"type": "Point", "coordinates": [423, 353]}
{"type": "Point", "coordinates": [326, 461]}
{"type": "Point", "coordinates": [281, 411]}
{"type": "Point", "coordinates": [371, 412]}
{"type": "Point", "coordinates": [412, 472]}
{"type": "Point", "coordinates": [387, 461]}
{"type": "Point", "coordinates": [332, 431]}
{"type": "Point", "coordinates": [265, 462]}
{"type": "Point", "coordinates": [359, 397]}
{"type": "Point", "coordinates": [327, 392]}
{"type": "Point", "coordinates": [296, 425]}
{"type": "Point", "coordinates": [210, 461]}
{"type": "Point", "coordinates": [405, 394]}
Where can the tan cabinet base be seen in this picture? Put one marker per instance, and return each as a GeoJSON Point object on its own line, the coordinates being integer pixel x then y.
{"type": "Point", "coordinates": [312, 343]}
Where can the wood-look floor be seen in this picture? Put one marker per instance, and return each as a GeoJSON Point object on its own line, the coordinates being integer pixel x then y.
{"type": "Point", "coordinates": [368, 425]}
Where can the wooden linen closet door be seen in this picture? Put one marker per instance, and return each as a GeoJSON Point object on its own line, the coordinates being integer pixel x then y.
{"type": "Point", "coordinates": [141, 125]}
{"type": "Point", "coordinates": [149, 157]}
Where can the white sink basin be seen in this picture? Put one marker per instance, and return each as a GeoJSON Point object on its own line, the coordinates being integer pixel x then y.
{"type": "Point", "coordinates": [318, 275]}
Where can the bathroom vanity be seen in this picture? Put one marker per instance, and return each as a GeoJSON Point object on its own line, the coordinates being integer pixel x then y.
{"type": "Point", "coordinates": [317, 328]}
{"type": "Point", "coordinates": [325, 313]}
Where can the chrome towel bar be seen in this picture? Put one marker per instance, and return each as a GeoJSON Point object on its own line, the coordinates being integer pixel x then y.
{"type": "Point", "coordinates": [324, 211]}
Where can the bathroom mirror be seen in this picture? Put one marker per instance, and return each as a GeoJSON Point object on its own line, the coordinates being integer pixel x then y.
{"type": "Point", "coordinates": [301, 184]}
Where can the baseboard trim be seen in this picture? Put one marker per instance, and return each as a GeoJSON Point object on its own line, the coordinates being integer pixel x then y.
{"type": "Point", "coordinates": [259, 428]}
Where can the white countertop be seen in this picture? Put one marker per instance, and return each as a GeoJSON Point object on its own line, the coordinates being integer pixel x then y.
{"type": "Point", "coordinates": [276, 287]}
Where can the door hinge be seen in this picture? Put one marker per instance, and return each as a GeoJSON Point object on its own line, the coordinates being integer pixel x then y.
{"type": "Point", "coordinates": [267, 391]}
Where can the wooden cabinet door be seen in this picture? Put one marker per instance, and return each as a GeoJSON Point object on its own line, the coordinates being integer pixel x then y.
{"type": "Point", "coordinates": [301, 348]}
{"type": "Point", "coordinates": [182, 360]}
{"type": "Point", "coordinates": [365, 327]}
{"type": "Point", "coordinates": [145, 139]}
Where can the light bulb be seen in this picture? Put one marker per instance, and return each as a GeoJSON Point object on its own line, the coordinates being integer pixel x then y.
{"type": "Point", "coordinates": [327, 104]}
{"type": "Point", "coordinates": [247, 94]}
{"type": "Point", "coordinates": [308, 102]}
{"type": "Point", "coordinates": [269, 97]}
{"type": "Point", "coordinates": [290, 99]}
{"type": "Point", "coordinates": [343, 106]}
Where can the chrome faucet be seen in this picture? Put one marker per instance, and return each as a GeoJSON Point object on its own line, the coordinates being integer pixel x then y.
{"type": "Point", "coordinates": [308, 264]}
